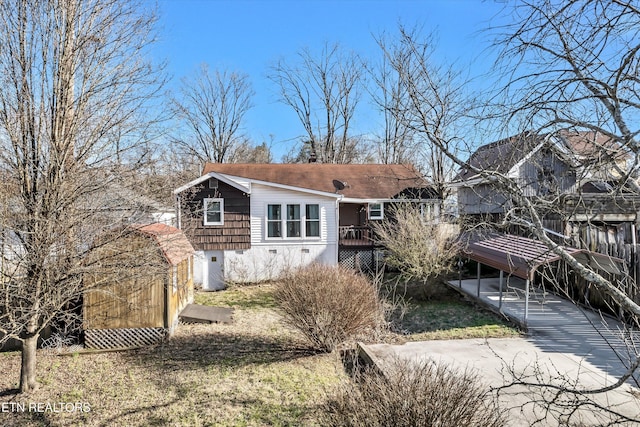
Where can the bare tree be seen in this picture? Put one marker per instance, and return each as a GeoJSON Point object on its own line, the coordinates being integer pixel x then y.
{"type": "Point", "coordinates": [324, 92]}
{"type": "Point", "coordinates": [213, 106]}
{"type": "Point", "coordinates": [568, 65]}
{"type": "Point", "coordinates": [396, 144]}
{"type": "Point", "coordinates": [247, 153]}
{"type": "Point", "coordinates": [432, 106]}
{"type": "Point", "coordinates": [575, 64]}
{"type": "Point", "coordinates": [73, 99]}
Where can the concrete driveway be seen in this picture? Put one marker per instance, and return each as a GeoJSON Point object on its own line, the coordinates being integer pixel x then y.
{"type": "Point", "coordinates": [563, 343]}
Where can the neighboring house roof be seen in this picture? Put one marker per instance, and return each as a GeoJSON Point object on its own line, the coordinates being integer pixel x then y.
{"type": "Point", "coordinates": [172, 242]}
{"type": "Point", "coordinates": [501, 156]}
{"type": "Point", "coordinates": [362, 181]}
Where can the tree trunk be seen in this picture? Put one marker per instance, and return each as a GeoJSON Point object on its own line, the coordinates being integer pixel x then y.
{"type": "Point", "coordinates": [28, 369]}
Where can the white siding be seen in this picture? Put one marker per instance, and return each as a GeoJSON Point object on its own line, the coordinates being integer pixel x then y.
{"type": "Point", "coordinates": [269, 258]}
{"type": "Point", "coordinates": [268, 262]}
{"type": "Point", "coordinates": [262, 195]}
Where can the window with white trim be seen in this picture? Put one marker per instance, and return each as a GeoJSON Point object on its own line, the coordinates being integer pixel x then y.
{"type": "Point", "coordinates": [213, 211]}
{"type": "Point", "coordinates": [376, 211]}
{"type": "Point", "coordinates": [293, 221]}
{"type": "Point", "coordinates": [425, 211]}
{"type": "Point", "coordinates": [274, 221]}
{"type": "Point", "coordinates": [312, 221]}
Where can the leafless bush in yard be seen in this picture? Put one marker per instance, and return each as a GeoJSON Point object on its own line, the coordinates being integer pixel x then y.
{"type": "Point", "coordinates": [420, 249]}
{"type": "Point", "coordinates": [415, 394]}
{"type": "Point", "coordinates": [329, 304]}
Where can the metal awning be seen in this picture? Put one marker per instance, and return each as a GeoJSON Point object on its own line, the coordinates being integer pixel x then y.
{"type": "Point", "coordinates": [521, 256]}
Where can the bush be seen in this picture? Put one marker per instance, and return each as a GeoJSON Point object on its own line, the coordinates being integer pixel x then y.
{"type": "Point", "coordinates": [413, 395]}
{"type": "Point", "coordinates": [417, 247]}
{"type": "Point", "coordinates": [329, 304]}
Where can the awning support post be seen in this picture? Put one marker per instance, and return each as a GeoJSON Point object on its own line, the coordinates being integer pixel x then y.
{"type": "Point", "coordinates": [501, 280]}
{"type": "Point", "coordinates": [526, 300]}
{"type": "Point", "coordinates": [479, 265]}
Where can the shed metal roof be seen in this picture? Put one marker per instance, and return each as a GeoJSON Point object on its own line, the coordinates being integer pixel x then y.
{"type": "Point", "coordinates": [521, 256]}
{"type": "Point", "coordinates": [172, 242]}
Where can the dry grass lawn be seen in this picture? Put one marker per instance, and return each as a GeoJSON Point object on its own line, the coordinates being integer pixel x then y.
{"type": "Point", "coordinates": [254, 372]}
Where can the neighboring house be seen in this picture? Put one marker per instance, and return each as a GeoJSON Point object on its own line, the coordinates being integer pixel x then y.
{"type": "Point", "coordinates": [578, 172]}
{"type": "Point", "coordinates": [140, 306]}
{"type": "Point", "coordinates": [563, 163]}
{"type": "Point", "coordinates": [253, 222]}
{"type": "Point", "coordinates": [124, 204]}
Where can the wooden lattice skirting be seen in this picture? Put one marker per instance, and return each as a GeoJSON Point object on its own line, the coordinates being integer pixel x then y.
{"type": "Point", "coordinates": [123, 338]}
{"type": "Point", "coordinates": [361, 260]}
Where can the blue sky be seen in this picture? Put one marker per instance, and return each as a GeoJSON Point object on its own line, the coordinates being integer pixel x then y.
{"type": "Point", "coordinates": [249, 35]}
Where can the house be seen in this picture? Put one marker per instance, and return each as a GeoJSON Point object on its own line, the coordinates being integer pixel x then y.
{"type": "Point", "coordinates": [561, 163]}
{"type": "Point", "coordinates": [138, 304]}
{"type": "Point", "coordinates": [574, 177]}
{"type": "Point", "coordinates": [122, 203]}
{"type": "Point", "coordinates": [253, 222]}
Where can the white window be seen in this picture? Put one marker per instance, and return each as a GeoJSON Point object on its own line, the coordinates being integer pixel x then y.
{"type": "Point", "coordinates": [312, 221]}
{"type": "Point", "coordinates": [376, 211]}
{"type": "Point", "coordinates": [425, 211]}
{"type": "Point", "coordinates": [293, 221]}
{"type": "Point", "coordinates": [213, 211]}
{"type": "Point", "coordinates": [274, 221]}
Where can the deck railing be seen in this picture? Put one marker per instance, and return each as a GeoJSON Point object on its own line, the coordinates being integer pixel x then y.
{"type": "Point", "coordinates": [355, 236]}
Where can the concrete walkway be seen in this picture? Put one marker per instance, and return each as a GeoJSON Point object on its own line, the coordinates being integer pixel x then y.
{"type": "Point", "coordinates": [563, 341]}
{"type": "Point", "coordinates": [555, 324]}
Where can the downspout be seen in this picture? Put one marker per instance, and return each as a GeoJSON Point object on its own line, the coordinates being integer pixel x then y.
{"type": "Point", "coordinates": [527, 287]}
{"type": "Point", "coordinates": [337, 233]}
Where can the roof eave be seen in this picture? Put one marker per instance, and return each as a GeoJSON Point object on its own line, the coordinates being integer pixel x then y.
{"type": "Point", "coordinates": [219, 176]}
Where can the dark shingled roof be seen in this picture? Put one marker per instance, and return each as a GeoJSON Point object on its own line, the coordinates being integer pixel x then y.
{"type": "Point", "coordinates": [502, 155]}
{"type": "Point", "coordinates": [363, 181]}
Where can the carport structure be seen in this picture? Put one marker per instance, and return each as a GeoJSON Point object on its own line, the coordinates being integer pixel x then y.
{"type": "Point", "coordinates": [521, 257]}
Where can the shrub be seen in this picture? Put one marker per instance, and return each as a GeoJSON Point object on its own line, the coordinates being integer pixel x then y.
{"type": "Point", "coordinates": [417, 247]}
{"type": "Point", "coordinates": [412, 394]}
{"type": "Point", "coordinates": [329, 304]}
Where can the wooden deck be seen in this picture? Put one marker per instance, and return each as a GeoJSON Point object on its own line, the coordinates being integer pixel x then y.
{"type": "Point", "coordinates": [194, 313]}
{"type": "Point", "coordinates": [355, 236]}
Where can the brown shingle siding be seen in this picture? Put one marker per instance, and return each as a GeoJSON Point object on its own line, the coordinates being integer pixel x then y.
{"type": "Point", "coordinates": [234, 234]}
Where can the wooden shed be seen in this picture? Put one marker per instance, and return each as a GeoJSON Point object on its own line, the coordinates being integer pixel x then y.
{"type": "Point", "coordinates": [139, 291]}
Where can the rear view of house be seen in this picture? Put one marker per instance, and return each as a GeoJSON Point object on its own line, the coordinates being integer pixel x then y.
{"type": "Point", "coordinates": [140, 305]}
{"type": "Point", "coordinates": [253, 222]}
